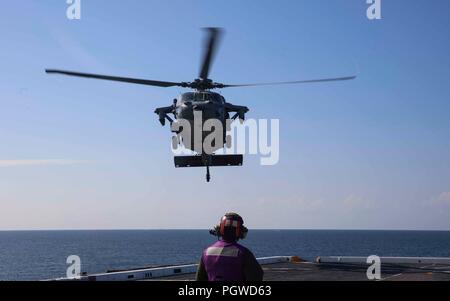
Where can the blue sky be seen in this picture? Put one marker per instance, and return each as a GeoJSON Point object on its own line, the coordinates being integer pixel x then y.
{"type": "Point", "coordinates": [373, 153]}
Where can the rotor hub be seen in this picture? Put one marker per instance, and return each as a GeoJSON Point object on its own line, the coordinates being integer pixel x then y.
{"type": "Point", "coordinates": [203, 84]}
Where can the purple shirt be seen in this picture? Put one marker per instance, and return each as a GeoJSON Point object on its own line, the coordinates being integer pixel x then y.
{"type": "Point", "coordinates": [224, 261]}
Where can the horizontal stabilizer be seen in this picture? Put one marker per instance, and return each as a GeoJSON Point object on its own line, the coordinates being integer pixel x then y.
{"type": "Point", "coordinates": [215, 160]}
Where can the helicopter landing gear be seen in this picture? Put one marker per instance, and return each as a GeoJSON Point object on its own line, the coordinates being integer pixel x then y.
{"type": "Point", "coordinates": [207, 161]}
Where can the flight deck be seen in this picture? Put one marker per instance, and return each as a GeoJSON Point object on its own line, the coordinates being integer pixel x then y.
{"type": "Point", "coordinates": [293, 268]}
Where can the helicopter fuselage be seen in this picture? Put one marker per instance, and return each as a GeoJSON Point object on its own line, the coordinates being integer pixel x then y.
{"type": "Point", "coordinates": [204, 105]}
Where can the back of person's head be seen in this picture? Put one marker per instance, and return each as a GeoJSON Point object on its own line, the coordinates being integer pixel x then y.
{"type": "Point", "coordinates": [231, 228]}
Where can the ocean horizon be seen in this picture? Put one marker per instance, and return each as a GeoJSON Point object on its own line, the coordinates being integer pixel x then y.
{"type": "Point", "coordinates": [42, 254]}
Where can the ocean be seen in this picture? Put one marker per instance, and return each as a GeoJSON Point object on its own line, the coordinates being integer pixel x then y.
{"type": "Point", "coordinates": [37, 255]}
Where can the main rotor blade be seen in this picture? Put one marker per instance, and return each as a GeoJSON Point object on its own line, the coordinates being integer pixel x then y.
{"type": "Point", "coordinates": [210, 47]}
{"type": "Point", "coordinates": [292, 82]}
{"type": "Point", "coordinates": [117, 79]}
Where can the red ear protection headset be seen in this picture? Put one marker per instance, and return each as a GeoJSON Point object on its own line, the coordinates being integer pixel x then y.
{"type": "Point", "coordinates": [231, 220]}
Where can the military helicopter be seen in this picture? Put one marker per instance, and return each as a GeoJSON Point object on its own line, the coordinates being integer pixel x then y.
{"type": "Point", "coordinates": [211, 105]}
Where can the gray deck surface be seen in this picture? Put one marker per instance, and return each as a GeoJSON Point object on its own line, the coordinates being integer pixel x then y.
{"type": "Point", "coordinates": [306, 271]}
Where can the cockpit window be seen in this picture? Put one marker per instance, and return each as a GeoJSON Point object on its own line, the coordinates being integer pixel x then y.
{"type": "Point", "coordinates": [216, 98]}
{"type": "Point", "coordinates": [188, 96]}
{"type": "Point", "coordinates": [202, 96]}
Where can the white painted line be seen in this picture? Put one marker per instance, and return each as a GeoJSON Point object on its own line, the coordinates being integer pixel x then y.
{"type": "Point", "coordinates": [392, 276]}
{"type": "Point", "coordinates": [393, 260]}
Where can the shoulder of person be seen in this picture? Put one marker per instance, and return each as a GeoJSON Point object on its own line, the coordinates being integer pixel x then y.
{"type": "Point", "coordinates": [244, 249]}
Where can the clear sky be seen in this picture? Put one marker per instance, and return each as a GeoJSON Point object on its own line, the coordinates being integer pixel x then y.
{"type": "Point", "coordinates": [373, 153]}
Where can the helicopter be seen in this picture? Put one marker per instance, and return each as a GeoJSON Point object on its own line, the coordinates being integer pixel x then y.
{"type": "Point", "coordinates": [202, 100]}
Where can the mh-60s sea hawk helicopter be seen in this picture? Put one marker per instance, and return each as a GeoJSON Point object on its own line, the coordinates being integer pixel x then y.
{"type": "Point", "coordinates": [202, 100]}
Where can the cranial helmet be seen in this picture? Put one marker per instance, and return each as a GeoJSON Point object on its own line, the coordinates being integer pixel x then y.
{"type": "Point", "coordinates": [231, 226]}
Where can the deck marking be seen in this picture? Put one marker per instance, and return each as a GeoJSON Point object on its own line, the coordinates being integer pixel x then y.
{"type": "Point", "coordinates": [392, 276]}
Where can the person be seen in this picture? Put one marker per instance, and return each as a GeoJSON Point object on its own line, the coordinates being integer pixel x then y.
{"type": "Point", "coordinates": [226, 260]}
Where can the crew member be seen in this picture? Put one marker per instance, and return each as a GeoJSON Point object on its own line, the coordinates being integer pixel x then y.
{"type": "Point", "coordinates": [226, 260]}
